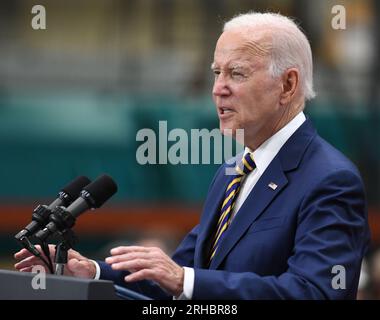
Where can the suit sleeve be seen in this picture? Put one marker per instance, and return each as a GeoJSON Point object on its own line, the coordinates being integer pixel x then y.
{"type": "Point", "coordinates": [145, 287]}
{"type": "Point", "coordinates": [184, 254]}
{"type": "Point", "coordinates": [332, 230]}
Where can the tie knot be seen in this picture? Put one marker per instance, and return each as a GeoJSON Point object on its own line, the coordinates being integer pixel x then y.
{"type": "Point", "coordinates": [246, 164]}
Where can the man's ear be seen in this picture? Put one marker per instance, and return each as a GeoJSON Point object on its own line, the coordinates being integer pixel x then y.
{"type": "Point", "coordinates": [290, 83]}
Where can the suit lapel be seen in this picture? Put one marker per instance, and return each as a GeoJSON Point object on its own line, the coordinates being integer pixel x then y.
{"type": "Point", "coordinates": [259, 198]}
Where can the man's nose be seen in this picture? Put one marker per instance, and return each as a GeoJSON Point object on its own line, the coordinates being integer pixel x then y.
{"type": "Point", "coordinates": [221, 87]}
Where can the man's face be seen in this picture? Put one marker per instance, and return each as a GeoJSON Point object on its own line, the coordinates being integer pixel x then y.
{"type": "Point", "coordinates": [245, 94]}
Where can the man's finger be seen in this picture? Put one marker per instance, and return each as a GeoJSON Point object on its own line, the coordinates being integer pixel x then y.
{"type": "Point", "coordinates": [23, 253]}
{"type": "Point", "coordinates": [136, 264]}
{"type": "Point", "coordinates": [128, 249]}
{"type": "Point", "coordinates": [128, 257]}
{"type": "Point", "coordinates": [144, 274]}
{"type": "Point", "coordinates": [32, 260]}
{"type": "Point", "coordinates": [27, 269]}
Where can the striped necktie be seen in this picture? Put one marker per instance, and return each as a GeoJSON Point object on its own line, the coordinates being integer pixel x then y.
{"type": "Point", "coordinates": [243, 168]}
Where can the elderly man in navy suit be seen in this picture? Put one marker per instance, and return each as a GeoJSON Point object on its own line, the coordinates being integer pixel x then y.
{"type": "Point", "coordinates": [292, 216]}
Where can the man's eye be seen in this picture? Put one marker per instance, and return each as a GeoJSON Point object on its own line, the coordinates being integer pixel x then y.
{"type": "Point", "coordinates": [216, 72]}
{"type": "Point", "coordinates": [237, 74]}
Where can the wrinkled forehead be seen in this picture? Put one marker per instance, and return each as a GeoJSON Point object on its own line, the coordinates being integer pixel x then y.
{"type": "Point", "coordinates": [247, 45]}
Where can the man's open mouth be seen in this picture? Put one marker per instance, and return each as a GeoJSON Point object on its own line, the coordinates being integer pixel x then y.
{"type": "Point", "coordinates": [224, 110]}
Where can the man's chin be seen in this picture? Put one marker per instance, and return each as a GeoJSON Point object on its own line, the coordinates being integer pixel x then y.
{"type": "Point", "coordinates": [227, 131]}
{"type": "Point", "coordinates": [232, 131]}
{"type": "Point", "coordinates": [225, 127]}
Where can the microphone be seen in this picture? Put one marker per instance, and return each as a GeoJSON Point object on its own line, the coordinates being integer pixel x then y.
{"type": "Point", "coordinates": [41, 213]}
{"type": "Point", "coordinates": [94, 195]}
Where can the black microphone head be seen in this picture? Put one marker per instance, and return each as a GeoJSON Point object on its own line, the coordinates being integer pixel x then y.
{"type": "Point", "coordinates": [99, 191]}
{"type": "Point", "coordinates": [72, 190]}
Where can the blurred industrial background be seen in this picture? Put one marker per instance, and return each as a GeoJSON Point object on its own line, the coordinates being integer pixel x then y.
{"type": "Point", "coordinates": [73, 96]}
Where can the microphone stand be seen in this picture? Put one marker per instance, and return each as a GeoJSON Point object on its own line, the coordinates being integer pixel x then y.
{"type": "Point", "coordinates": [61, 222]}
{"type": "Point", "coordinates": [61, 251]}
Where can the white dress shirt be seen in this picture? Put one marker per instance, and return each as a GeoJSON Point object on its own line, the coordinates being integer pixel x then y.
{"type": "Point", "coordinates": [262, 156]}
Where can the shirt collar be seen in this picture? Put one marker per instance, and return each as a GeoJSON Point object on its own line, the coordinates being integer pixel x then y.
{"type": "Point", "coordinates": [264, 154]}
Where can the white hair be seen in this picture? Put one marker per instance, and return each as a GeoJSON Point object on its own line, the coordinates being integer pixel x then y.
{"type": "Point", "coordinates": [290, 47]}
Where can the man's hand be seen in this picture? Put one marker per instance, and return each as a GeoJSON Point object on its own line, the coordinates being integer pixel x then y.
{"type": "Point", "coordinates": [77, 265]}
{"type": "Point", "coordinates": [148, 264]}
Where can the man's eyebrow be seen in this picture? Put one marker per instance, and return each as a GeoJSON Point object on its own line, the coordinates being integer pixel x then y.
{"type": "Point", "coordinates": [231, 65]}
{"type": "Point", "coordinates": [239, 65]}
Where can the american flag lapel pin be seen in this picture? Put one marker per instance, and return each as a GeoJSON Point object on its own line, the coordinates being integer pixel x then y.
{"type": "Point", "coordinates": [272, 185]}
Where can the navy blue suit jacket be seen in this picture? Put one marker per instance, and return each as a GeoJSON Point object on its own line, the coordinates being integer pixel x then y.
{"type": "Point", "coordinates": [283, 243]}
